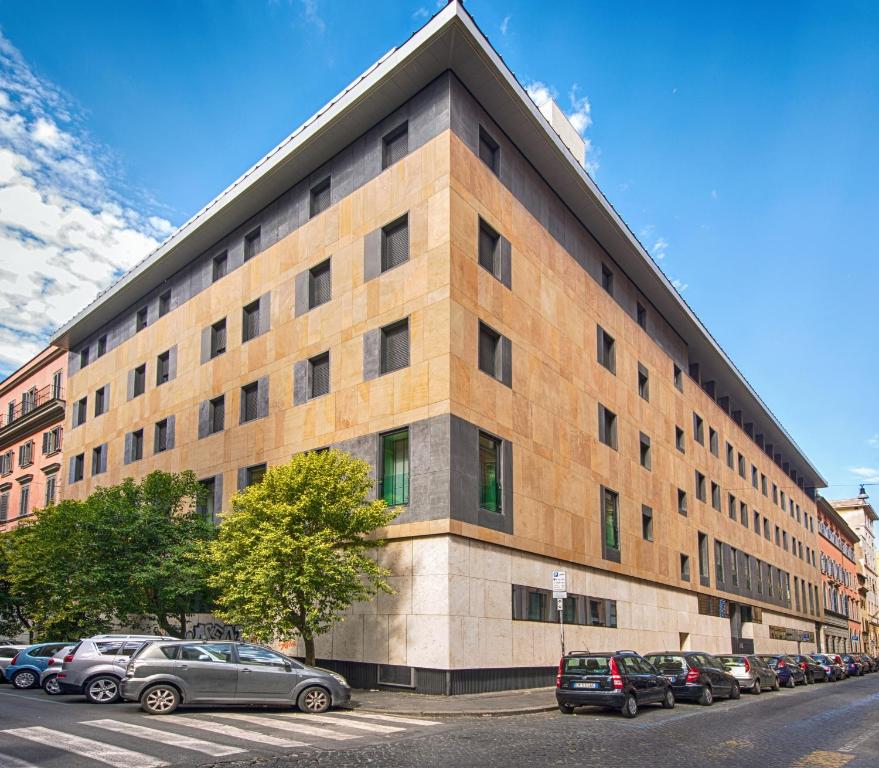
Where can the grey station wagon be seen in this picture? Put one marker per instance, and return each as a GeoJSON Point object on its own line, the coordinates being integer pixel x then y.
{"type": "Point", "coordinates": [163, 675]}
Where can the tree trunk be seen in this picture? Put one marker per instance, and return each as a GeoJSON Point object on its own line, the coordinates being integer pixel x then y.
{"type": "Point", "coordinates": [162, 621]}
{"type": "Point", "coordinates": [182, 619]}
{"type": "Point", "coordinates": [309, 650]}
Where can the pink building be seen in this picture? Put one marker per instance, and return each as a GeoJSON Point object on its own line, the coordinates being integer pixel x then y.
{"type": "Point", "coordinates": [32, 411]}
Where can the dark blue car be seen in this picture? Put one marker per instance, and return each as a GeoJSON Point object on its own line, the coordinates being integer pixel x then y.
{"type": "Point", "coordinates": [24, 670]}
{"type": "Point", "coordinates": [788, 671]}
{"type": "Point", "coordinates": [852, 666]}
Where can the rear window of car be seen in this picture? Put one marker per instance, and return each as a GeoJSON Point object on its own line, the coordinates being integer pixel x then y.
{"type": "Point", "coordinates": [668, 663]}
{"type": "Point", "coordinates": [587, 665]}
{"type": "Point", "coordinates": [736, 661]}
{"type": "Point", "coordinates": [108, 649]}
{"type": "Point", "coordinates": [8, 653]}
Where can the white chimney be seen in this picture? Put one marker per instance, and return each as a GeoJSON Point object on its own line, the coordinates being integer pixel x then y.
{"type": "Point", "coordinates": [567, 133]}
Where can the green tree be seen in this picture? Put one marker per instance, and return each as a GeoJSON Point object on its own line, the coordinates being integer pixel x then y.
{"type": "Point", "coordinates": [13, 618]}
{"type": "Point", "coordinates": [294, 552]}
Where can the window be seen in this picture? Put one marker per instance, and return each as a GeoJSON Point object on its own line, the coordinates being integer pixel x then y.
{"type": "Point", "coordinates": [395, 145]}
{"type": "Point", "coordinates": [216, 414]}
{"type": "Point", "coordinates": [99, 460]}
{"type": "Point", "coordinates": [139, 381]}
{"type": "Point", "coordinates": [734, 567]}
{"type": "Point", "coordinates": [678, 378]}
{"type": "Point", "coordinates": [715, 496]}
{"type": "Point", "coordinates": [756, 522]}
{"type": "Point", "coordinates": [395, 468]}
{"type": "Point", "coordinates": [643, 382]}
{"type": "Point", "coordinates": [161, 439]}
{"type": "Point", "coordinates": [395, 243]}
{"type": "Point", "coordinates": [77, 470]}
{"type": "Point", "coordinates": [646, 523]}
{"type": "Point", "coordinates": [206, 506]}
{"type": "Point", "coordinates": [4, 510]}
{"type": "Point", "coordinates": [766, 534]}
{"type": "Point", "coordinates": [489, 249]}
{"type": "Point", "coordinates": [784, 540]}
{"type": "Point", "coordinates": [607, 279]}
{"type": "Point", "coordinates": [51, 489]}
{"type": "Point", "coordinates": [755, 477]}
{"type": "Point", "coordinates": [682, 502]}
{"type": "Point", "coordinates": [774, 493]}
{"type": "Point", "coordinates": [490, 497]}
{"type": "Point", "coordinates": [219, 266]}
{"type": "Point", "coordinates": [80, 411]}
{"type": "Point", "coordinates": [164, 303]}
{"type": "Point", "coordinates": [741, 466]}
{"type": "Point", "coordinates": [51, 442]}
{"type": "Point", "coordinates": [645, 451]}
{"type": "Point", "coordinates": [26, 454]}
{"type": "Point", "coordinates": [641, 315]}
{"type": "Point", "coordinates": [249, 402]}
{"type": "Point", "coordinates": [759, 577]}
{"type": "Point", "coordinates": [764, 485]}
{"type": "Point", "coordinates": [142, 318]}
{"type": "Point", "coordinates": [713, 442]}
{"type": "Point", "coordinates": [102, 345]}
{"type": "Point", "coordinates": [747, 573]}
{"type": "Point", "coordinates": [395, 346]}
{"type": "Point", "coordinates": [777, 536]}
{"type": "Point", "coordinates": [606, 350]}
{"type": "Point", "coordinates": [743, 513]}
{"type": "Point", "coordinates": [730, 456]}
{"type": "Point", "coordinates": [6, 461]}
{"type": "Point", "coordinates": [700, 486]}
{"type": "Point", "coordinates": [254, 475]}
{"type": "Point", "coordinates": [218, 338]}
{"type": "Point", "coordinates": [163, 368]}
{"type": "Point", "coordinates": [703, 557]}
{"type": "Point", "coordinates": [698, 429]}
{"type": "Point", "coordinates": [679, 439]}
{"type": "Point", "coordinates": [607, 427]}
{"type": "Point", "coordinates": [252, 243]}
{"type": "Point", "coordinates": [489, 151]}
{"type": "Point", "coordinates": [101, 400]}
{"type": "Point", "coordinates": [84, 357]}
{"type": "Point", "coordinates": [490, 357]}
{"type": "Point", "coordinates": [319, 284]}
{"type": "Point", "coordinates": [137, 445]}
{"type": "Point", "coordinates": [250, 321]}
{"type": "Point", "coordinates": [24, 499]}
{"type": "Point", "coordinates": [610, 523]}
{"type": "Point", "coordinates": [320, 197]}
{"type": "Point", "coordinates": [718, 562]}
{"type": "Point", "coordinates": [685, 567]}
{"type": "Point", "coordinates": [319, 375]}
{"type": "Point", "coordinates": [731, 506]}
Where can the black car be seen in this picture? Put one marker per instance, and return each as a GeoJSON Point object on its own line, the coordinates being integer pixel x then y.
{"type": "Point", "coordinates": [815, 672]}
{"type": "Point", "coordinates": [620, 680]}
{"type": "Point", "coordinates": [869, 664]}
{"type": "Point", "coordinates": [789, 672]}
{"type": "Point", "coordinates": [695, 676]}
{"type": "Point", "coordinates": [831, 668]}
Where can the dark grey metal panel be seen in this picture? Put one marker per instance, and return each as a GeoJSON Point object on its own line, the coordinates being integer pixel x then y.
{"type": "Point", "coordinates": [126, 459]}
{"type": "Point", "coordinates": [464, 471]}
{"type": "Point", "coordinates": [71, 470]}
{"type": "Point", "coordinates": [302, 284]}
{"type": "Point", "coordinates": [300, 382]}
{"type": "Point", "coordinates": [506, 262]}
{"type": "Point", "coordinates": [205, 344]}
{"type": "Point", "coordinates": [172, 363]}
{"type": "Point", "coordinates": [372, 342]}
{"type": "Point", "coordinates": [242, 477]}
{"type": "Point", "coordinates": [372, 255]}
{"type": "Point", "coordinates": [131, 384]}
{"type": "Point", "coordinates": [204, 411]}
{"type": "Point", "coordinates": [265, 312]}
{"type": "Point", "coordinates": [506, 361]}
{"type": "Point", "coordinates": [262, 402]}
{"type": "Point", "coordinates": [170, 439]}
{"type": "Point", "coordinates": [218, 493]}
{"type": "Point", "coordinates": [366, 448]}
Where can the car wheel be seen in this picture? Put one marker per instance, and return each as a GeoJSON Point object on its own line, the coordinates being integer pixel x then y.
{"type": "Point", "coordinates": [775, 686]}
{"type": "Point", "coordinates": [756, 689]}
{"type": "Point", "coordinates": [103, 689]}
{"type": "Point", "coordinates": [630, 706]}
{"type": "Point", "coordinates": [706, 698]}
{"type": "Point", "coordinates": [52, 686]}
{"type": "Point", "coordinates": [314, 700]}
{"type": "Point", "coordinates": [810, 679]}
{"type": "Point", "coordinates": [790, 682]}
{"type": "Point", "coordinates": [566, 709]}
{"type": "Point", "coordinates": [160, 700]}
{"type": "Point", "coordinates": [25, 679]}
{"type": "Point", "coordinates": [735, 692]}
{"type": "Point", "coordinates": [669, 701]}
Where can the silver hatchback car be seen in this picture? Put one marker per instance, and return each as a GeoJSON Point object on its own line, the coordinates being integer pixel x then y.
{"type": "Point", "coordinates": [752, 672]}
{"type": "Point", "coordinates": [163, 675]}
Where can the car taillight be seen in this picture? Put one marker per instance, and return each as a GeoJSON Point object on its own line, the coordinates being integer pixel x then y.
{"type": "Point", "coordinates": [615, 676]}
{"type": "Point", "coordinates": [693, 675]}
{"type": "Point", "coordinates": [558, 677]}
{"type": "Point", "coordinates": [50, 663]}
{"type": "Point", "coordinates": [802, 665]}
{"type": "Point", "coordinates": [747, 666]}
{"type": "Point", "coordinates": [781, 665]}
{"type": "Point", "coordinates": [68, 658]}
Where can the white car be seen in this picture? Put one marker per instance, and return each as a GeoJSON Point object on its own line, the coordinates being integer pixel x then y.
{"type": "Point", "coordinates": [49, 676]}
{"type": "Point", "coordinates": [7, 654]}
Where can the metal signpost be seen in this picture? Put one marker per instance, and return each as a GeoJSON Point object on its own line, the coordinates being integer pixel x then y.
{"type": "Point", "coordinates": [560, 592]}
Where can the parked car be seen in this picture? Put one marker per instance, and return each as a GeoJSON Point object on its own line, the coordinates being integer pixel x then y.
{"type": "Point", "coordinates": [837, 659]}
{"type": "Point", "coordinates": [49, 676]}
{"type": "Point", "coordinates": [869, 664]}
{"type": "Point", "coordinates": [95, 666]}
{"type": "Point", "coordinates": [788, 671]}
{"type": "Point", "coordinates": [753, 675]}
{"type": "Point", "coordinates": [831, 668]}
{"type": "Point", "coordinates": [695, 676]}
{"type": "Point", "coordinates": [7, 654]}
{"type": "Point", "coordinates": [23, 671]}
{"type": "Point", "coordinates": [853, 666]}
{"type": "Point", "coordinates": [162, 675]}
{"type": "Point", "coordinates": [814, 671]}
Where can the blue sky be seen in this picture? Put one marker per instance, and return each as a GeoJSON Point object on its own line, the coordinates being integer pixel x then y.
{"type": "Point", "coordinates": [737, 140]}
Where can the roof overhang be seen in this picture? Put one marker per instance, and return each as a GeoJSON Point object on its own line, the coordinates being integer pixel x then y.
{"type": "Point", "coordinates": [449, 41]}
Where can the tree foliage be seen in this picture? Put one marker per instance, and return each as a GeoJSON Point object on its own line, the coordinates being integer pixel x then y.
{"type": "Point", "coordinates": [294, 552]}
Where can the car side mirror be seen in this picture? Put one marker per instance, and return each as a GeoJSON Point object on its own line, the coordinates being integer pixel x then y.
{"type": "Point", "coordinates": [288, 667]}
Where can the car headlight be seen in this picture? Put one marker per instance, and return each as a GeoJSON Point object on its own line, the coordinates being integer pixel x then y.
{"type": "Point", "coordinates": [338, 677]}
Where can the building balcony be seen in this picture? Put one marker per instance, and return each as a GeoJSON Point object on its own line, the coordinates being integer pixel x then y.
{"type": "Point", "coordinates": [42, 407]}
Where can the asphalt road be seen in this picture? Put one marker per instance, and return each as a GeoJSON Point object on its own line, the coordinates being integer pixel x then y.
{"type": "Point", "coordinates": [832, 725]}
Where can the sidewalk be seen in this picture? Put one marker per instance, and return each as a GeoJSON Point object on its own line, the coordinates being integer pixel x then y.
{"type": "Point", "coordinates": [500, 703]}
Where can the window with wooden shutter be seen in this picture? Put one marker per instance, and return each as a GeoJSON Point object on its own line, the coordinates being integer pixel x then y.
{"type": "Point", "coordinates": [250, 327]}
{"type": "Point", "coordinates": [252, 243]}
{"type": "Point", "coordinates": [489, 152]}
{"type": "Point", "coordinates": [395, 243]}
{"type": "Point", "coordinates": [4, 506]}
{"type": "Point", "coordinates": [320, 197]}
{"type": "Point", "coordinates": [51, 487]}
{"type": "Point", "coordinates": [250, 397]}
{"type": "Point", "coordinates": [45, 443]}
{"type": "Point", "coordinates": [489, 249]}
{"type": "Point", "coordinates": [161, 439]}
{"type": "Point", "coordinates": [24, 499]}
{"type": "Point", "coordinates": [319, 285]}
{"type": "Point", "coordinates": [395, 145]}
{"type": "Point", "coordinates": [320, 374]}
{"type": "Point", "coordinates": [395, 346]}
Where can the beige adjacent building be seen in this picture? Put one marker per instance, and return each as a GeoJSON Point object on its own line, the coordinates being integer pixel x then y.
{"type": "Point", "coordinates": [424, 274]}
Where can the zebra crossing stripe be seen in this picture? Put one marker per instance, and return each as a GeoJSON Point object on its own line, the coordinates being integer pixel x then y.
{"type": "Point", "coordinates": [95, 750]}
{"type": "Point", "coordinates": [391, 718]}
{"type": "Point", "coordinates": [8, 761]}
{"type": "Point", "coordinates": [342, 721]}
{"type": "Point", "coordinates": [230, 730]}
{"type": "Point", "coordinates": [287, 725]}
{"type": "Point", "coordinates": [165, 737]}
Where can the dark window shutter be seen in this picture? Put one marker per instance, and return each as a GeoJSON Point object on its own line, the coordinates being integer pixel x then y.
{"type": "Point", "coordinates": [395, 346]}
{"type": "Point", "coordinates": [488, 250]}
{"type": "Point", "coordinates": [4, 505]}
{"type": "Point", "coordinates": [320, 197]}
{"type": "Point", "coordinates": [320, 287]}
{"type": "Point", "coordinates": [396, 145]}
{"type": "Point", "coordinates": [45, 442]}
{"type": "Point", "coordinates": [489, 347]}
{"type": "Point", "coordinates": [395, 243]}
{"type": "Point", "coordinates": [320, 375]}
{"type": "Point", "coordinates": [250, 394]}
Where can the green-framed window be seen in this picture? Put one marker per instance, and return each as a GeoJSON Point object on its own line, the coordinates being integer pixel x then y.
{"type": "Point", "coordinates": [395, 468]}
{"type": "Point", "coordinates": [490, 496]}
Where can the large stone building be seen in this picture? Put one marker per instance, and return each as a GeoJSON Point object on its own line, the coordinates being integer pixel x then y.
{"type": "Point", "coordinates": [841, 629]}
{"type": "Point", "coordinates": [424, 274]}
{"type": "Point", "coordinates": [32, 411]}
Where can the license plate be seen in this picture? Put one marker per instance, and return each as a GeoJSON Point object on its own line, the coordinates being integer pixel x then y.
{"type": "Point", "coordinates": [670, 678]}
{"type": "Point", "coordinates": [585, 685]}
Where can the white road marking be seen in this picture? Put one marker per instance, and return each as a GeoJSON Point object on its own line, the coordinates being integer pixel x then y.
{"type": "Point", "coordinates": [95, 750]}
{"type": "Point", "coordinates": [287, 725]}
{"type": "Point", "coordinates": [8, 761]}
{"type": "Point", "coordinates": [391, 718]}
{"type": "Point", "coordinates": [165, 737]}
{"type": "Point", "coordinates": [372, 727]}
{"type": "Point", "coordinates": [856, 742]}
{"type": "Point", "coordinates": [232, 731]}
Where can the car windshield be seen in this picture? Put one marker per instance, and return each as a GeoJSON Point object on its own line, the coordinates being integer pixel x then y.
{"type": "Point", "coordinates": [732, 661]}
{"type": "Point", "coordinates": [668, 663]}
{"type": "Point", "coordinates": [587, 665]}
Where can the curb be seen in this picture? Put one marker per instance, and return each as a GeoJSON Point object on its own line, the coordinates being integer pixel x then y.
{"type": "Point", "coordinates": [459, 713]}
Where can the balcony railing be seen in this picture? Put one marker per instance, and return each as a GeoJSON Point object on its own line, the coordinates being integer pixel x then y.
{"type": "Point", "coordinates": [31, 401]}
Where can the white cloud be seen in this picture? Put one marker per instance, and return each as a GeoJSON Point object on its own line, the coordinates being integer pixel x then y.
{"type": "Point", "coordinates": [680, 286]}
{"type": "Point", "coordinates": [421, 13]}
{"type": "Point", "coordinates": [505, 24]}
{"type": "Point", "coordinates": [659, 249]}
{"type": "Point", "coordinates": [65, 234]}
{"type": "Point", "coordinates": [312, 16]}
{"type": "Point", "coordinates": [866, 474]}
{"type": "Point", "coordinates": [580, 115]}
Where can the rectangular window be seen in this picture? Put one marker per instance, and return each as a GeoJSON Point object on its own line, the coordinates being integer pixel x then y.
{"type": "Point", "coordinates": [703, 557]}
{"type": "Point", "coordinates": [678, 378]}
{"type": "Point", "coordinates": [607, 279]}
{"type": "Point", "coordinates": [766, 534]}
{"type": "Point", "coordinates": [395, 346]}
{"type": "Point", "coordinates": [83, 357]}
{"type": "Point", "coordinates": [645, 451]}
{"type": "Point", "coordinates": [320, 197]}
{"type": "Point", "coordinates": [139, 384]}
{"type": "Point", "coordinates": [784, 540]}
{"type": "Point", "coordinates": [250, 402]}
{"type": "Point", "coordinates": [607, 427]}
{"type": "Point", "coordinates": [606, 350]}
{"type": "Point", "coordinates": [489, 151]}
{"type": "Point", "coordinates": [679, 439]}
{"type": "Point", "coordinates": [219, 266]}
{"type": "Point", "coordinates": [6, 461]}
{"type": "Point", "coordinates": [4, 506]}
{"type": "Point", "coordinates": [26, 454]}
{"type": "Point", "coordinates": [252, 243]}
{"type": "Point", "coordinates": [743, 513]}
{"type": "Point", "coordinates": [759, 578]}
{"type": "Point", "coordinates": [713, 442]}
{"type": "Point", "coordinates": [715, 496]}
{"type": "Point", "coordinates": [741, 466]}
{"type": "Point", "coordinates": [643, 382]}
{"type": "Point", "coordinates": [756, 522]}
{"type": "Point", "coordinates": [142, 318]}
{"type": "Point", "coordinates": [489, 249]}
{"type": "Point", "coordinates": [685, 567]}
{"type": "Point", "coordinates": [51, 489]}
{"type": "Point", "coordinates": [641, 315]}
{"type": "Point", "coordinates": [610, 523]}
{"type": "Point", "coordinates": [163, 368]}
{"type": "Point", "coordinates": [80, 411]}
{"type": "Point", "coordinates": [137, 445]}
{"type": "Point", "coordinates": [682, 502]}
{"type": "Point", "coordinates": [698, 429]}
{"type": "Point", "coordinates": [734, 567]}
{"type": "Point", "coordinates": [490, 473]}
{"type": "Point", "coordinates": [51, 443]}
{"type": "Point", "coordinates": [216, 414]}
{"type": "Point", "coordinates": [490, 357]}
{"type": "Point", "coordinates": [774, 493]}
{"type": "Point", "coordinates": [747, 573]}
{"type": "Point", "coordinates": [646, 523]}
{"type": "Point", "coordinates": [254, 475]}
{"type": "Point", "coordinates": [101, 401]}
{"type": "Point", "coordinates": [320, 286]}
{"type": "Point", "coordinates": [102, 345]}
{"type": "Point", "coordinates": [395, 468]}
{"type": "Point", "coordinates": [395, 145]}
{"type": "Point", "coordinates": [218, 338]}
{"type": "Point", "coordinates": [701, 494]}
{"type": "Point", "coordinates": [164, 303]}
{"type": "Point", "coordinates": [731, 506]}
{"type": "Point", "coordinates": [718, 562]}
{"type": "Point", "coordinates": [777, 536]}
{"type": "Point", "coordinates": [250, 321]}
{"type": "Point", "coordinates": [730, 456]}
{"type": "Point", "coordinates": [755, 477]}
{"type": "Point", "coordinates": [205, 505]}
{"type": "Point", "coordinates": [319, 375]}
{"type": "Point", "coordinates": [395, 243]}
{"type": "Point", "coordinates": [764, 485]}
{"type": "Point", "coordinates": [160, 443]}
{"type": "Point", "coordinates": [99, 460]}
{"type": "Point", "coordinates": [24, 499]}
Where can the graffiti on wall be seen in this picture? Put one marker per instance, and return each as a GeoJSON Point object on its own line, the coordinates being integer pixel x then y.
{"type": "Point", "coordinates": [213, 630]}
